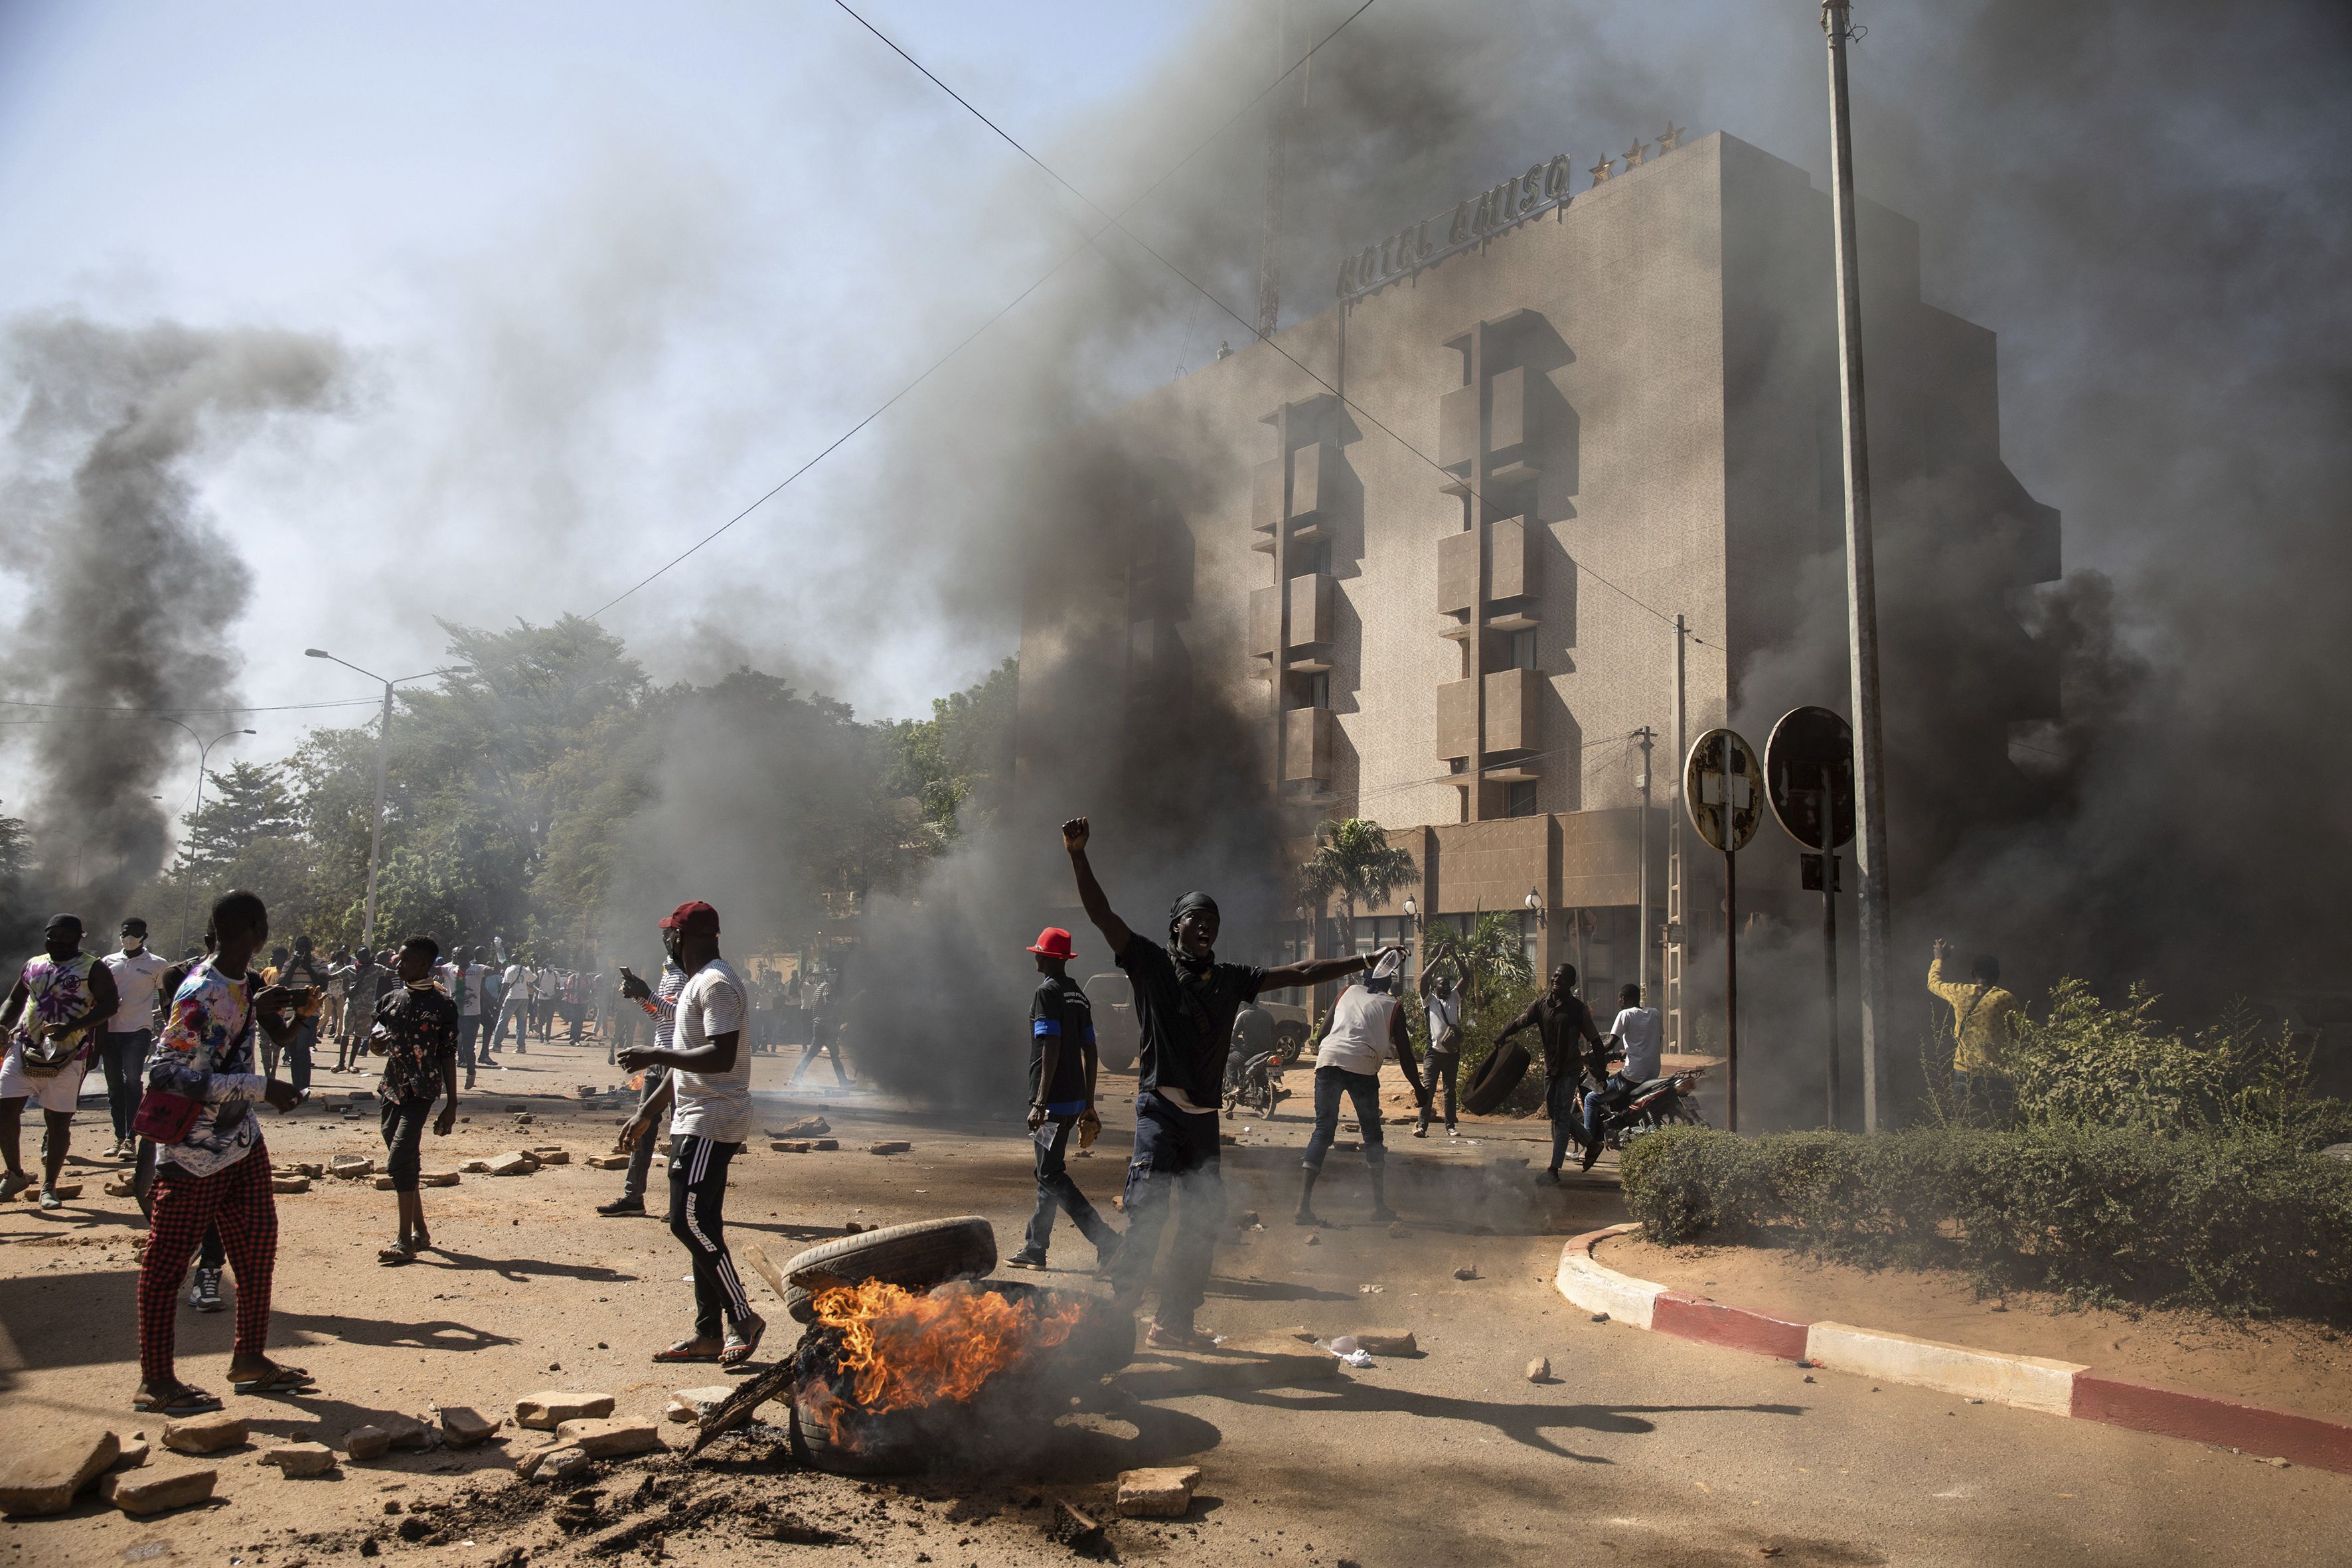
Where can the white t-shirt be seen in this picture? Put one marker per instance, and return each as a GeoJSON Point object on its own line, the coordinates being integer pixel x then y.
{"type": "Point", "coordinates": [1639, 1028]}
{"type": "Point", "coordinates": [1444, 1022]}
{"type": "Point", "coordinates": [136, 975]}
{"type": "Point", "coordinates": [717, 1106]}
{"type": "Point", "coordinates": [471, 1007]}
{"type": "Point", "coordinates": [1357, 1040]}
{"type": "Point", "coordinates": [510, 985]}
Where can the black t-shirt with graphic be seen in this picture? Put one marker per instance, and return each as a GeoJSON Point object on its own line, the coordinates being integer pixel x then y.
{"type": "Point", "coordinates": [420, 1038]}
{"type": "Point", "coordinates": [1184, 1018]}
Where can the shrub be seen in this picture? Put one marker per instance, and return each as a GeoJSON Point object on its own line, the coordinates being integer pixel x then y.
{"type": "Point", "coordinates": [2248, 1223]}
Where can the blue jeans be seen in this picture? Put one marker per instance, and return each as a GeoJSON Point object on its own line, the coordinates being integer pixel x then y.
{"type": "Point", "coordinates": [297, 1053]}
{"type": "Point", "coordinates": [1174, 1150]}
{"type": "Point", "coordinates": [1559, 1103]}
{"type": "Point", "coordinates": [517, 1012]}
{"type": "Point", "coordinates": [123, 1054]}
{"type": "Point", "coordinates": [1057, 1190]}
{"type": "Point", "coordinates": [1364, 1088]}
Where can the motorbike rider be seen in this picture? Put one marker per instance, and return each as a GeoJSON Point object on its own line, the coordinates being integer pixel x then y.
{"type": "Point", "coordinates": [1253, 1046]}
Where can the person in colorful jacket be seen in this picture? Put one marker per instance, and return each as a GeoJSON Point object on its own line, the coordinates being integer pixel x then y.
{"type": "Point", "coordinates": [59, 996]}
{"type": "Point", "coordinates": [218, 1173]}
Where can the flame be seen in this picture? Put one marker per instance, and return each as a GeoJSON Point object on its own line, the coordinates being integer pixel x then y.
{"type": "Point", "coordinates": [901, 1350]}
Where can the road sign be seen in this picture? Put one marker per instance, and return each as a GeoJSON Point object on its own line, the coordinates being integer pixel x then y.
{"type": "Point", "coordinates": [1715, 793]}
{"type": "Point", "coordinates": [1810, 754]}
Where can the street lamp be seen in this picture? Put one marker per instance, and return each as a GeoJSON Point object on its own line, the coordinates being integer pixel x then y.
{"type": "Point", "coordinates": [203, 750]}
{"type": "Point", "coordinates": [382, 765]}
{"type": "Point", "coordinates": [1535, 903]}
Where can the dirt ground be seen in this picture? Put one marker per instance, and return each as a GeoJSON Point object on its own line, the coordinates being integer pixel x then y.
{"type": "Point", "coordinates": [1678, 1453]}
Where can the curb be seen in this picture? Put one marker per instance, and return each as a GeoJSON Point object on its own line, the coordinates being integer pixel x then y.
{"type": "Point", "coordinates": [2030, 1383]}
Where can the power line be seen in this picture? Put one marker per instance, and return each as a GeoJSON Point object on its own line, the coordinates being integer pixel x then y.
{"type": "Point", "coordinates": [90, 708]}
{"type": "Point", "coordinates": [1178, 167]}
{"type": "Point", "coordinates": [1112, 221]}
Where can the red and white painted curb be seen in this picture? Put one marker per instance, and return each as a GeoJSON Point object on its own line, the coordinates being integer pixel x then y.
{"type": "Point", "coordinates": [2033, 1383]}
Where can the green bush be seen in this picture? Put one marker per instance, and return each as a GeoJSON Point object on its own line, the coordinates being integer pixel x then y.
{"type": "Point", "coordinates": [2244, 1224]}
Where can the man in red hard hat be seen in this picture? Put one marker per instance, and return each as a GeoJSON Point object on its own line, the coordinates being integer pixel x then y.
{"type": "Point", "coordinates": [1061, 1096]}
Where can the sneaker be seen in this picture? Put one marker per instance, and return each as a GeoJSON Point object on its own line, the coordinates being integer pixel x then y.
{"type": "Point", "coordinates": [1592, 1152]}
{"type": "Point", "coordinates": [205, 1295]}
{"type": "Point", "coordinates": [1024, 1259]}
{"type": "Point", "coordinates": [1548, 1179]}
{"type": "Point", "coordinates": [10, 1185]}
{"type": "Point", "coordinates": [49, 1199]}
{"type": "Point", "coordinates": [622, 1206]}
{"type": "Point", "coordinates": [1179, 1337]}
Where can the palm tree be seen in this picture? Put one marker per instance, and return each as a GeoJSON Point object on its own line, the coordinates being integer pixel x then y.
{"type": "Point", "coordinates": [1354, 861]}
{"type": "Point", "coordinates": [1490, 959]}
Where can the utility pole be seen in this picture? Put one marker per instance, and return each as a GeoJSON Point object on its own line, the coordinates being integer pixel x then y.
{"type": "Point", "coordinates": [1269, 269]}
{"type": "Point", "coordinates": [1645, 735]}
{"type": "Point", "coordinates": [1861, 594]}
{"type": "Point", "coordinates": [1677, 810]}
{"type": "Point", "coordinates": [204, 753]}
{"type": "Point", "coordinates": [383, 768]}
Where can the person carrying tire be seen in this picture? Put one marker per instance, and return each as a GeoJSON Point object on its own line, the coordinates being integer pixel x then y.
{"type": "Point", "coordinates": [710, 1083]}
{"type": "Point", "coordinates": [1185, 1002]}
{"type": "Point", "coordinates": [1061, 1096]}
{"type": "Point", "coordinates": [1366, 1023]}
{"type": "Point", "coordinates": [1560, 1019]}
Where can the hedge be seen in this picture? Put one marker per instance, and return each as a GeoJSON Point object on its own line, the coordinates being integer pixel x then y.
{"type": "Point", "coordinates": [2243, 1225]}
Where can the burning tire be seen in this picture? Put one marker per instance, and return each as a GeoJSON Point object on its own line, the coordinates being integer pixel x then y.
{"type": "Point", "coordinates": [1497, 1076]}
{"type": "Point", "coordinates": [918, 1255]}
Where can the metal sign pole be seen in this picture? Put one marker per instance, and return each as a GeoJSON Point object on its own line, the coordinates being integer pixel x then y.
{"type": "Point", "coordinates": [1730, 971]}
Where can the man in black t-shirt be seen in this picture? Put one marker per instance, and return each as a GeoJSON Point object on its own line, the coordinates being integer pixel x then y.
{"type": "Point", "coordinates": [1184, 1006]}
{"type": "Point", "coordinates": [1561, 1019]}
{"type": "Point", "coordinates": [416, 1033]}
{"type": "Point", "coordinates": [1061, 1096]}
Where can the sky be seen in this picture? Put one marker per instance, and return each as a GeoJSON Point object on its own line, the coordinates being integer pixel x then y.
{"type": "Point", "coordinates": [605, 273]}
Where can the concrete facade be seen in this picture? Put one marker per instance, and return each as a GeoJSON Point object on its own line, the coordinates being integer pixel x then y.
{"type": "Point", "coordinates": [1539, 451]}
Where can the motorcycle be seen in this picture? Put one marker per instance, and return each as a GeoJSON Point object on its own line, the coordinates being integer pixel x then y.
{"type": "Point", "coordinates": [1628, 1111]}
{"type": "Point", "coordinates": [1250, 1085]}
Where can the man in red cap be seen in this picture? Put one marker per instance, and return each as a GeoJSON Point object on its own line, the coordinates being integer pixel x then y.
{"type": "Point", "coordinates": [710, 1083]}
{"type": "Point", "coordinates": [1061, 1096]}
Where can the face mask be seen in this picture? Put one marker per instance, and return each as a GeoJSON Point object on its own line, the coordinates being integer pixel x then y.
{"type": "Point", "coordinates": [134, 943]}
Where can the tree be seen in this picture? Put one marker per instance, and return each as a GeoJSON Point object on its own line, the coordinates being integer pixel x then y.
{"type": "Point", "coordinates": [249, 805]}
{"type": "Point", "coordinates": [1491, 959]}
{"type": "Point", "coordinates": [1354, 861]}
{"type": "Point", "coordinates": [958, 764]}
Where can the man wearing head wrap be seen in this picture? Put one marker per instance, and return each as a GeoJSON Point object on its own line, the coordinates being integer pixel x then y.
{"type": "Point", "coordinates": [1185, 1002]}
{"type": "Point", "coordinates": [1560, 1019]}
{"type": "Point", "coordinates": [1365, 1025]}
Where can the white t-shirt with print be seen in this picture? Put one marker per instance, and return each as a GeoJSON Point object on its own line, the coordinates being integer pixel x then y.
{"type": "Point", "coordinates": [136, 975]}
{"type": "Point", "coordinates": [717, 1106]}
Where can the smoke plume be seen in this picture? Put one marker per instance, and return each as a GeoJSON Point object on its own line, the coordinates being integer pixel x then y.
{"type": "Point", "coordinates": [129, 588]}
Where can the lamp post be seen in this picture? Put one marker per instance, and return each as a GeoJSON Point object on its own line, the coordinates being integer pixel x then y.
{"type": "Point", "coordinates": [204, 750]}
{"type": "Point", "coordinates": [382, 766]}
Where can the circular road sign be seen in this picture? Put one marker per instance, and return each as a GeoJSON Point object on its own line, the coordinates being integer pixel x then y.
{"type": "Point", "coordinates": [1726, 804]}
{"type": "Point", "coordinates": [1808, 776]}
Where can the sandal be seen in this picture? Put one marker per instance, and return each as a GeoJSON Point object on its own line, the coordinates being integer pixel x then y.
{"type": "Point", "coordinates": [682, 1352]}
{"type": "Point", "coordinates": [277, 1380]}
{"type": "Point", "coordinates": [394, 1257]}
{"type": "Point", "coordinates": [741, 1346]}
{"type": "Point", "coordinates": [182, 1401]}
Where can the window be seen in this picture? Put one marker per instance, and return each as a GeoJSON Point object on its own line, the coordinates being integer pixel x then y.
{"type": "Point", "coordinates": [1523, 648]}
{"type": "Point", "coordinates": [1519, 798]}
{"type": "Point", "coordinates": [1319, 688]}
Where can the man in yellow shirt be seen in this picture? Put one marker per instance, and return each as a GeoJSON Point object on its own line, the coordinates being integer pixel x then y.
{"type": "Point", "coordinates": [1982, 1014]}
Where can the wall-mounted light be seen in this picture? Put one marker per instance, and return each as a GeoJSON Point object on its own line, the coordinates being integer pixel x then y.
{"type": "Point", "coordinates": [1536, 906]}
{"type": "Point", "coordinates": [1412, 914]}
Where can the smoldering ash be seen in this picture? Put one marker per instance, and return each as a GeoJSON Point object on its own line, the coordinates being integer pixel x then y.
{"type": "Point", "coordinates": [130, 592]}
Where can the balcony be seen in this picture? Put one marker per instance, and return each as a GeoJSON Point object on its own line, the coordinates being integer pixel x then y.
{"type": "Point", "coordinates": [1314, 490]}
{"type": "Point", "coordinates": [1511, 435]}
{"type": "Point", "coordinates": [1314, 621]}
{"type": "Point", "coordinates": [1513, 572]}
{"type": "Point", "coordinates": [1458, 721]}
{"type": "Point", "coordinates": [1513, 699]}
{"type": "Point", "coordinates": [1306, 745]}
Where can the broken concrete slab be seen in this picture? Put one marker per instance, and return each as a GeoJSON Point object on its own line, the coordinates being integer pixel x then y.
{"type": "Point", "coordinates": [555, 1463]}
{"type": "Point", "coordinates": [462, 1426]}
{"type": "Point", "coordinates": [551, 1408]}
{"type": "Point", "coordinates": [1387, 1342]}
{"type": "Point", "coordinates": [826, 1145]}
{"type": "Point", "coordinates": [300, 1458]}
{"type": "Point", "coordinates": [610, 1437]}
{"type": "Point", "coordinates": [789, 1145]}
{"type": "Point", "coordinates": [46, 1477]}
{"type": "Point", "coordinates": [154, 1491]}
{"type": "Point", "coordinates": [690, 1406]}
{"type": "Point", "coordinates": [205, 1434]}
{"type": "Point", "coordinates": [350, 1165]}
{"type": "Point", "coordinates": [513, 1164]}
{"type": "Point", "coordinates": [607, 1162]}
{"type": "Point", "coordinates": [406, 1431]}
{"type": "Point", "coordinates": [1163, 1492]}
{"type": "Point", "coordinates": [806, 1127]}
{"type": "Point", "coordinates": [552, 1156]}
{"type": "Point", "coordinates": [475, 1167]}
{"type": "Point", "coordinates": [134, 1453]}
{"type": "Point", "coordinates": [436, 1179]}
{"type": "Point", "coordinates": [369, 1442]}
{"type": "Point", "coordinates": [289, 1183]}
{"type": "Point", "coordinates": [889, 1146]}
{"type": "Point", "coordinates": [1540, 1370]}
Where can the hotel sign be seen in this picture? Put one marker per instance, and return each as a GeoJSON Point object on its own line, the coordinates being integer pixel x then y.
{"type": "Point", "coordinates": [1471, 223]}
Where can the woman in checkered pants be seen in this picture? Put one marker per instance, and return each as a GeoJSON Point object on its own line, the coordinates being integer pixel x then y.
{"type": "Point", "coordinates": [218, 1173]}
